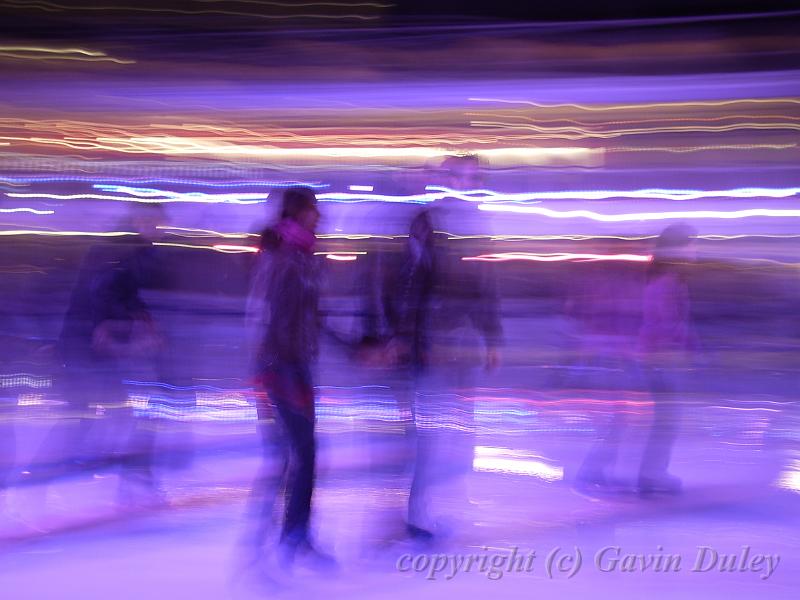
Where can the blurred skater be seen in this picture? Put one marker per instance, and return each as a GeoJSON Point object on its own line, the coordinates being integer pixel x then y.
{"type": "Point", "coordinates": [666, 341]}
{"type": "Point", "coordinates": [285, 293]}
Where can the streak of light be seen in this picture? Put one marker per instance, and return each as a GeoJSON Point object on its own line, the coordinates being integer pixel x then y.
{"type": "Point", "coordinates": [210, 232]}
{"type": "Point", "coordinates": [341, 256]}
{"type": "Point", "coordinates": [66, 233]}
{"type": "Point", "coordinates": [34, 211]}
{"type": "Point", "coordinates": [44, 53]}
{"type": "Point", "coordinates": [688, 149]}
{"type": "Point", "coordinates": [644, 216]}
{"type": "Point", "coordinates": [557, 257]}
{"type": "Point", "coordinates": [53, 7]}
{"type": "Point", "coordinates": [149, 195]}
{"type": "Point", "coordinates": [484, 460]}
{"type": "Point", "coordinates": [213, 184]}
{"type": "Point", "coordinates": [170, 145]}
{"type": "Point", "coordinates": [224, 248]}
{"type": "Point", "coordinates": [690, 104]}
{"type": "Point", "coordinates": [572, 133]}
{"type": "Point", "coordinates": [790, 478]}
{"type": "Point", "coordinates": [649, 193]}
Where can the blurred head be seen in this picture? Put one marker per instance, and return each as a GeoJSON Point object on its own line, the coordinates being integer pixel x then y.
{"type": "Point", "coordinates": [299, 204]}
{"type": "Point", "coordinates": [674, 246]}
{"type": "Point", "coordinates": [421, 228]}
{"type": "Point", "coordinates": [420, 238]}
{"type": "Point", "coordinates": [463, 172]}
{"type": "Point", "coordinates": [676, 241]}
{"type": "Point", "coordinates": [145, 219]}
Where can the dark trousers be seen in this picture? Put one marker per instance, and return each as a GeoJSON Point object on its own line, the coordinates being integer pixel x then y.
{"type": "Point", "coordinates": [299, 432]}
{"type": "Point", "coordinates": [290, 388]}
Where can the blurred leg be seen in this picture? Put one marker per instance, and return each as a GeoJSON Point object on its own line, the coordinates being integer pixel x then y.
{"type": "Point", "coordinates": [291, 388]}
{"type": "Point", "coordinates": [603, 454]}
{"type": "Point", "coordinates": [8, 448]}
{"type": "Point", "coordinates": [273, 471]}
{"type": "Point", "coordinates": [664, 431]}
{"type": "Point", "coordinates": [615, 375]}
{"type": "Point", "coordinates": [301, 487]}
{"type": "Point", "coordinates": [422, 479]}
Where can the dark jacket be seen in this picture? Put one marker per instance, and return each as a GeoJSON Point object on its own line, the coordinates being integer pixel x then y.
{"type": "Point", "coordinates": [434, 293]}
{"type": "Point", "coordinates": [107, 289]}
{"type": "Point", "coordinates": [290, 284]}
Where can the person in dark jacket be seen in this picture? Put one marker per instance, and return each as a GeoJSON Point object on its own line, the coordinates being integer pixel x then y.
{"type": "Point", "coordinates": [454, 331]}
{"type": "Point", "coordinates": [106, 328]}
{"type": "Point", "coordinates": [441, 315]}
{"type": "Point", "coordinates": [286, 286]}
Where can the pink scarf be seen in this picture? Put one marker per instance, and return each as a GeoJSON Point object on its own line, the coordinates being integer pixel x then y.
{"type": "Point", "coordinates": [291, 232]}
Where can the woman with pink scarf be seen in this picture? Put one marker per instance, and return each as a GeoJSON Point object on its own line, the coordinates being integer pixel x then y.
{"type": "Point", "coordinates": [286, 294]}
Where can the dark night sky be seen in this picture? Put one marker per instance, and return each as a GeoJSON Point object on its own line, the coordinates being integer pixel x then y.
{"type": "Point", "coordinates": [18, 21]}
{"type": "Point", "coordinates": [408, 25]}
{"type": "Point", "coordinates": [585, 9]}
